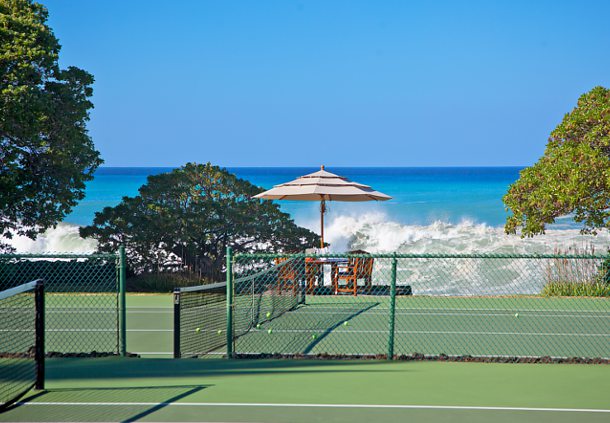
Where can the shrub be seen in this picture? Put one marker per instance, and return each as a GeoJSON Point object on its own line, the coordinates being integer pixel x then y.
{"type": "Point", "coordinates": [576, 289]}
{"type": "Point", "coordinates": [577, 277]}
{"type": "Point", "coordinates": [163, 282]}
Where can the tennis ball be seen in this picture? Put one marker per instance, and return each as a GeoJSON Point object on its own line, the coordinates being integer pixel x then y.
{"type": "Point", "coordinates": [219, 331]}
{"type": "Point", "coordinates": [197, 330]}
{"type": "Point", "coordinates": [314, 336]}
{"type": "Point", "coordinates": [268, 314]}
{"type": "Point", "coordinates": [345, 323]}
{"type": "Point", "coordinates": [258, 326]}
{"type": "Point", "coordinates": [517, 315]}
{"type": "Point", "coordinates": [270, 331]}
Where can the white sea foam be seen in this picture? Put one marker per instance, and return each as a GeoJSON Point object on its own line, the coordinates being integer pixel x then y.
{"type": "Point", "coordinates": [62, 239]}
{"type": "Point", "coordinates": [375, 233]}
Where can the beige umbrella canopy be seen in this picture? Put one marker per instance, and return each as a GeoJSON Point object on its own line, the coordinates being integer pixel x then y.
{"type": "Point", "coordinates": [323, 186]}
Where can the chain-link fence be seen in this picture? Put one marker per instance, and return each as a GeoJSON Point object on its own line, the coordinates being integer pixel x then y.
{"type": "Point", "coordinates": [83, 310]}
{"type": "Point", "coordinates": [432, 305]}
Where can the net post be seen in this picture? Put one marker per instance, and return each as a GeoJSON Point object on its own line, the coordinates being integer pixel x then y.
{"type": "Point", "coordinates": [391, 331]}
{"type": "Point", "coordinates": [229, 276]}
{"type": "Point", "coordinates": [122, 302]}
{"type": "Point", "coordinates": [177, 353]}
{"type": "Point", "coordinates": [39, 346]}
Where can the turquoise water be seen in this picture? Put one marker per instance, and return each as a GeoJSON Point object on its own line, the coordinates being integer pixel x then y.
{"type": "Point", "coordinates": [421, 196]}
{"type": "Point", "coordinates": [438, 210]}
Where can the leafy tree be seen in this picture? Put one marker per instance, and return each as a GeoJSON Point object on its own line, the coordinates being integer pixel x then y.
{"type": "Point", "coordinates": [186, 218]}
{"type": "Point", "coordinates": [573, 175]}
{"type": "Point", "coordinates": [46, 154]}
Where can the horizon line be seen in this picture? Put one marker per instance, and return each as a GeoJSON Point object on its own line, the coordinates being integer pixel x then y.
{"type": "Point", "coordinates": [317, 166]}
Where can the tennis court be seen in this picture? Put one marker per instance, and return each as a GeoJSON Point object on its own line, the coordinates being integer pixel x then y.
{"type": "Point", "coordinates": [455, 326]}
{"type": "Point", "coordinates": [431, 325]}
{"type": "Point", "coordinates": [131, 389]}
{"type": "Point", "coordinates": [269, 318]}
{"type": "Point", "coordinates": [158, 389]}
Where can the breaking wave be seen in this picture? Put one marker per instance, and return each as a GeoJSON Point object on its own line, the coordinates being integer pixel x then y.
{"type": "Point", "coordinates": [377, 233]}
{"type": "Point", "coordinates": [62, 239]}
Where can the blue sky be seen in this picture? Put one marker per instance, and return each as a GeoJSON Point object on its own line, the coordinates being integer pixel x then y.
{"type": "Point", "coordinates": [345, 83]}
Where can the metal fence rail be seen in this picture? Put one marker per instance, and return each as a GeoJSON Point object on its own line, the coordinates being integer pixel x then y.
{"type": "Point", "coordinates": [393, 304]}
{"type": "Point", "coordinates": [84, 303]}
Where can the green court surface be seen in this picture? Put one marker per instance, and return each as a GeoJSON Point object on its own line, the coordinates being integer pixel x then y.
{"type": "Point", "coordinates": [507, 326]}
{"type": "Point", "coordinates": [136, 389]}
{"type": "Point", "coordinates": [150, 324]}
{"type": "Point", "coordinates": [482, 326]}
{"type": "Point", "coordinates": [155, 388]}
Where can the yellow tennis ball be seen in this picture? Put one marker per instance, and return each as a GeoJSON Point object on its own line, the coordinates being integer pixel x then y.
{"type": "Point", "coordinates": [270, 331]}
{"type": "Point", "coordinates": [517, 315]}
{"type": "Point", "coordinates": [268, 314]}
{"type": "Point", "coordinates": [219, 331]}
{"type": "Point", "coordinates": [258, 326]}
{"type": "Point", "coordinates": [314, 336]}
{"type": "Point", "coordinates": [197, 330]}
{"type": "Point", "coordinates": [345, 323]}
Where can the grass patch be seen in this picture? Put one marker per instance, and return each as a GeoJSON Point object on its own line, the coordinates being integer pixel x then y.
{"type": "Point", "coordinates": [577, 277]}
{"type": "Point", "coordinates": [576, 289]}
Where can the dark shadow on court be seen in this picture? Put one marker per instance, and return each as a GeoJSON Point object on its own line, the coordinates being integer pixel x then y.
{"type": "Point", "coordinates": [301, 330]}
{"type": "Point", "coordinates": [336, 321]}
{"type": "Point", "coordinates": [156, 397]}
{"type": "Point", "coordinates": [28, 397]}
{"type": "Point", "coordinates": [164, 404]}
{"type": "Point", "coordinates": [161, 368]}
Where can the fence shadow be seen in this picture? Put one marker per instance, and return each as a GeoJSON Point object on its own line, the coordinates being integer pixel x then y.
{"type": "Point", "coordinates": [301, 330]}
{"type": "Point", "coordinates": [125, 404]}
{"type": "Point", "coordinates": [339, 319]}
{"type": "Point", "coordinates": [166, 370]}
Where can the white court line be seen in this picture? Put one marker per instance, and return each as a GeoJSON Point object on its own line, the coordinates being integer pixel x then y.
{"type": "Point", "coordinates": [107, 311]}
{"type": "Point", "coordinates": [88, 330]}
{"type": "Point", "coordinates": [344, 331]}
{"type": "Point", "coordinates": [153, 352]}
{"type": "Point", "coordinates": [440, 332]}
{"type": "Point", "coordinates": [151, 308]}
{"type": "Point", "coordinates": [504, 309]}
{"type": "Point", "coordinates": [149, 312]}
{"type": "Point", "coordinates": [504, 313]}
{"type": "Point", "coordinates": [422, 309]}
{"type": "Point", "coordinates": [279, 405]}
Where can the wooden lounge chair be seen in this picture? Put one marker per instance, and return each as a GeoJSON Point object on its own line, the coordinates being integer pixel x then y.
{"type": "Point", "coordinates": [312, 272]}
{"type": "Point", "coordinates": [356, 268]}
{"type": "Point", "coordinates": [287, 276]}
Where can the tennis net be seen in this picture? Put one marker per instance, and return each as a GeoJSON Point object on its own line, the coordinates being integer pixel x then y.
{"type": "Point", "coordinates": [200, 312]}
{"type": "Point", "coordinates": [200, 319]}
{"type": "Point", "coordinates": [21, 341]}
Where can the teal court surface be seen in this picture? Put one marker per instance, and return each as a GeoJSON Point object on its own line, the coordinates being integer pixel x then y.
{"type": "Point", "coordinates": [216, 390]}
{"type": "Point", "coordinates": [158, 388]}
{"type": "Point", "coordinates": [510, 326]}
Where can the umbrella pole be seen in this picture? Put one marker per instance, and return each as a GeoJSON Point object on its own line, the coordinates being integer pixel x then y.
{"type": "Point", "coordinates": [322, 211]}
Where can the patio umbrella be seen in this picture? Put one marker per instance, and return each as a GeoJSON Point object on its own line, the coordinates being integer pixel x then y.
{"type": "Point", "coordinates": [323, 186]}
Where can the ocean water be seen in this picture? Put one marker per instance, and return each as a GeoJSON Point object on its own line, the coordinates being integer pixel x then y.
{"type": "Point", "coordinates": [452, 210]}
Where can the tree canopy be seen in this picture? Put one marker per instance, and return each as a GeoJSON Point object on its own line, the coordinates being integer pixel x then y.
{"type": "Point", "coordinates": [573, 175]}
{"type": "Point", "coordinates": [187, 218]}
{"type": "Point", "coordinates": [46, 154]}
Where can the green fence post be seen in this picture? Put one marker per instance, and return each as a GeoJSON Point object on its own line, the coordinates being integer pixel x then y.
{"type": "Point", "coordinates": [122, 305]}
{"type": "Point", "coordinates": [177, 351]}
{"type": "Point", "coordinates": [39, 349]}
{"type": "Point", "coordinates": [392, 311]}
{"type": "Point", "coordinates": [229, 303]}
